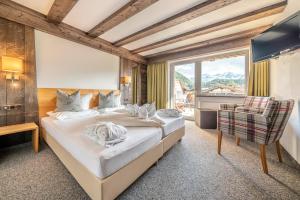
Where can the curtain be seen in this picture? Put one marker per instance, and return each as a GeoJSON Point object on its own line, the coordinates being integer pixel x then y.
{"type": "Point", "coordinates": [134, 82]}
{"type": "Point", "coordinates": [259, 79]}
{"type": "Point", "coordinates": [157, 88]}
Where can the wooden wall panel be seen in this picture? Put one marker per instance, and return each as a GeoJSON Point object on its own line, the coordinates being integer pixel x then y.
{"type": "Point", "coordinates": [15, 90]}
{"type": "Point", "coordinates": [31, 102]}
{"type": "Point", "coordinates": [3, 33]}
{"type": "Point", "coordinates": [17, 40]}
{"type": "Point", "coordinates": [126, 70]}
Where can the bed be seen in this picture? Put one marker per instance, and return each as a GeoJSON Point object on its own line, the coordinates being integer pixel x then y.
{"type": "Point", "coordinates": [108, 179]}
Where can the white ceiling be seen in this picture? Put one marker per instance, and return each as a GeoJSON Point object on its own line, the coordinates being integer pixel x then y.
{"type": "Point", "coordinates": [42, 6]}
{"type": "Point", "coordinates": [88, 13]}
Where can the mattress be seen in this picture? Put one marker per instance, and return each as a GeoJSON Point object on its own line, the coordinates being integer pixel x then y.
{"type": "Point", "coordinates": [99, 160]}
{"type": "Point", "coordinates": [172, 124]}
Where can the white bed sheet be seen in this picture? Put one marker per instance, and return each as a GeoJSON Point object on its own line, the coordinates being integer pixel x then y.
{"type": "Point", "coordinates": [171, 124]}
{"type": "Point", "coordinates": [99, 160]}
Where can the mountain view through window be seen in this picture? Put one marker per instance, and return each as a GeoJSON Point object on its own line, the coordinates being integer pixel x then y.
{"type": "Point", "coordinates": [223, 77]}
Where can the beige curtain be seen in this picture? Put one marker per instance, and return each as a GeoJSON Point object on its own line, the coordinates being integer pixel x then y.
{"type": "Point", "coordinates": [134, 82]}
{"type": "Point", "coordinates": [259, 79]}
{"type": "Point", "coordinates": [157, 84]}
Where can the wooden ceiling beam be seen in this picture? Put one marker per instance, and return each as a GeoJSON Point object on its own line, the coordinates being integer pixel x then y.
{"type": "Point", "coordinates": [243, 34]}
{"type": "Point", "coordinates": [60, 9]}
{"type": "Point", "coordinates": [189, 14]}
{"type": "Point", "coordinates": [218, 47]}
{"type": "Point", "coordinates": [127, 11]}
{"type": "Point", "coordinates": [23, 15]}
{"type": "Point", "coordinates": [248, 17]}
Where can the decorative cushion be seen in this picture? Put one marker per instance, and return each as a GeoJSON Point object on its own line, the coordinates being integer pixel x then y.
{"type": "Point", "coordinates": [85, 101]}
{"type": "Point", "coordinates": [68, 102]}
{"type": "Point", "coordinates": [133, 110]}
{"type": "Point", "coordinates": [109, 100]}
{"type": "Point", "coordinates": [257, 102]}
{"type": "Point", "coordinates": [249, 109]}
{"type": "Point", "coordinates": [143, 112]}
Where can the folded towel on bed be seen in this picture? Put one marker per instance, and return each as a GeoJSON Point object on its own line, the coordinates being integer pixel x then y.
{"type": "Point", "coordinates": [106, 133]}
{"type": "Point", "coordinates": [169, 113]}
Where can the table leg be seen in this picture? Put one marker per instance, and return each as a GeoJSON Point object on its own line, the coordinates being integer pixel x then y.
{"type": "Point", "coordinates": [35, 140]}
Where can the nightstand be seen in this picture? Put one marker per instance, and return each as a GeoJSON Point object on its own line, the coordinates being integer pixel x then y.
{"type": "Point", "coordinates": [7, 130]}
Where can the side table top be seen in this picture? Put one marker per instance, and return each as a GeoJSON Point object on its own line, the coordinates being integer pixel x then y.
{"type": "Point", "coordinates": [5, 130]}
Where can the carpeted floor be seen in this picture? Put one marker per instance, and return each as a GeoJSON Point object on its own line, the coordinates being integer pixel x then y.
{"type": "Point", "coordinates": [190, 170]}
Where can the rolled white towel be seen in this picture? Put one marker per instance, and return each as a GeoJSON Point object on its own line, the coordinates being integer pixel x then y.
{"type": "Point", "coordinates": [158, 119]}
{"type": "Point", "coordinates": [106, 133]}
{"type": "Point", "coordinates": [169, 113]}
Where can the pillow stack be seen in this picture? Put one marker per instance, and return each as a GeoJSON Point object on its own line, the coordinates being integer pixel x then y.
{"type": "Point", "coordinates": [145, 111]}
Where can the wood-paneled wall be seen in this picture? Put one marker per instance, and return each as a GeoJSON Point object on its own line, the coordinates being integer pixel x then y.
{"type": "Point", "coordinates": [17, 40]}
{"type": "Point", "coordinates": [126, 70]}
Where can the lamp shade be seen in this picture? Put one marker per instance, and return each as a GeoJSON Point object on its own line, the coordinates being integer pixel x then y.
{"type": "Point", "coordinates": [11, 64]}
{"type": "Point", "coordinates": [125, 79]}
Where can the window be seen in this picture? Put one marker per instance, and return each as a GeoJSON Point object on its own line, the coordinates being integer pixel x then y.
{"type": "Point", "coordinates": [182, 87]}
{"type": "Point", "coordinates": [224, 76]}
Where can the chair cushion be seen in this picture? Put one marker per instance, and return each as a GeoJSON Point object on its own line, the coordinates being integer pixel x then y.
{"type": "Point", "coordinates": [256, 102]}
{"type": "Point", "coordinates": [249, 109]}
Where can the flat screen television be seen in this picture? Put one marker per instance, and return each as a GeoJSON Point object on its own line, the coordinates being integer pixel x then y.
{"type": "Point", "coordinates": [278, 39]}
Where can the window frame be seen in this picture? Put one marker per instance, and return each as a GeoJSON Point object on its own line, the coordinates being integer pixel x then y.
{"type": "Point", "coordinates": [220, 56]}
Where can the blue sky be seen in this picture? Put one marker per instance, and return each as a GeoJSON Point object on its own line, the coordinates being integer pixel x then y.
{"type": "Point", "coordinates": [220, 66]}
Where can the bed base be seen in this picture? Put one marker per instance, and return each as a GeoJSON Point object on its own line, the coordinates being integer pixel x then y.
{"type": "Point", "coordinates": [171, 139]}
{"type": "Point", "coordinates": [110, 187]}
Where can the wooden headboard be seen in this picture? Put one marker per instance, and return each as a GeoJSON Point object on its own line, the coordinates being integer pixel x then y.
{"type": "Point", "coordinates": [47, 98]}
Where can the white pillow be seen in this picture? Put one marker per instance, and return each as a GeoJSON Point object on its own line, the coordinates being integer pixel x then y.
{"type": "Point", "coordinates": [71, 115]}
{"type": "Point", "coordinates": [133, 110]}
{"type": "Point", "coordinates": [143, 112]}
{"type": "Point", "coordinates": [85, 101]}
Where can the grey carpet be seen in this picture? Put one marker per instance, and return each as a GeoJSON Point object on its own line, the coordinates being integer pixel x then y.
{"type": "Point", "coordinates": [190, 170]}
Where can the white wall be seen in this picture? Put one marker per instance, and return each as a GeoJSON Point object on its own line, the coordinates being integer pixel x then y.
{"type": "Point", "coordinates": [65, 64]}
{"type": "Point", "coordinates": [285, 84]}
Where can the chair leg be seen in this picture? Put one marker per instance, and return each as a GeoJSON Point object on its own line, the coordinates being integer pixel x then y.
{"type": "Point", "coordinates": [237, 140]}
{"type": "Point", "coordinates": [220, 134]}
{"type": "Point", "coordinates": [278, 148]}
{"type": "Point", "coordinates": [263, 158]}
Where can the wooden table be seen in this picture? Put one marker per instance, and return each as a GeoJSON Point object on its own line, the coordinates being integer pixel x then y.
{"type": "Point", "coordinates": [7, 130]}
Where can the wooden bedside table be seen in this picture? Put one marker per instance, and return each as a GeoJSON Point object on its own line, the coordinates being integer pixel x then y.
{"type": "Point", "coordinates": [7, 130]}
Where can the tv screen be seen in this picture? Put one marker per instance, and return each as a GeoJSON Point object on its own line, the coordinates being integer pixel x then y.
{"type": "Point", "coordinates": [280, 38]}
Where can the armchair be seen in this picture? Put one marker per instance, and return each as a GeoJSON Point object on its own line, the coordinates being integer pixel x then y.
{"type": "Point", "coordinates": [264, 129]}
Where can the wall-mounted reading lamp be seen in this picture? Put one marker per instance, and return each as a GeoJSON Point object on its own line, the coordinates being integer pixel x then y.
{"type": "Point", "coordinates": [12, 67]}
{"type": "Point", "coordinates": [125, 80]}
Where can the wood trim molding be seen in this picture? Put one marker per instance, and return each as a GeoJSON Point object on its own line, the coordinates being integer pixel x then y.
{"type": "Point", "coordinates": [131, 8]}
{"type": "Point", "coordinates": [222, 46]}
{"type": "Point", "coordinates": [60, 9]}
{"type": "Point", "coordinates": [20, 14]}
{"type": "Point", "coordinates": [248, 33]}
{"type": "Point", "coordinates": [189, 14]}
{"type": "Point", "coordinates": [251, 16]}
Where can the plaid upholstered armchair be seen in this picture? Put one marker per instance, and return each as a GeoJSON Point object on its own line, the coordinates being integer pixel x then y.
{"type": "Point", "coordinates": [262, 128]}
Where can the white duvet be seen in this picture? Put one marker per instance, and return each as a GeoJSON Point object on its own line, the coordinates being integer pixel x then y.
{"type": "Point", "coordinates": [100, 160]}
